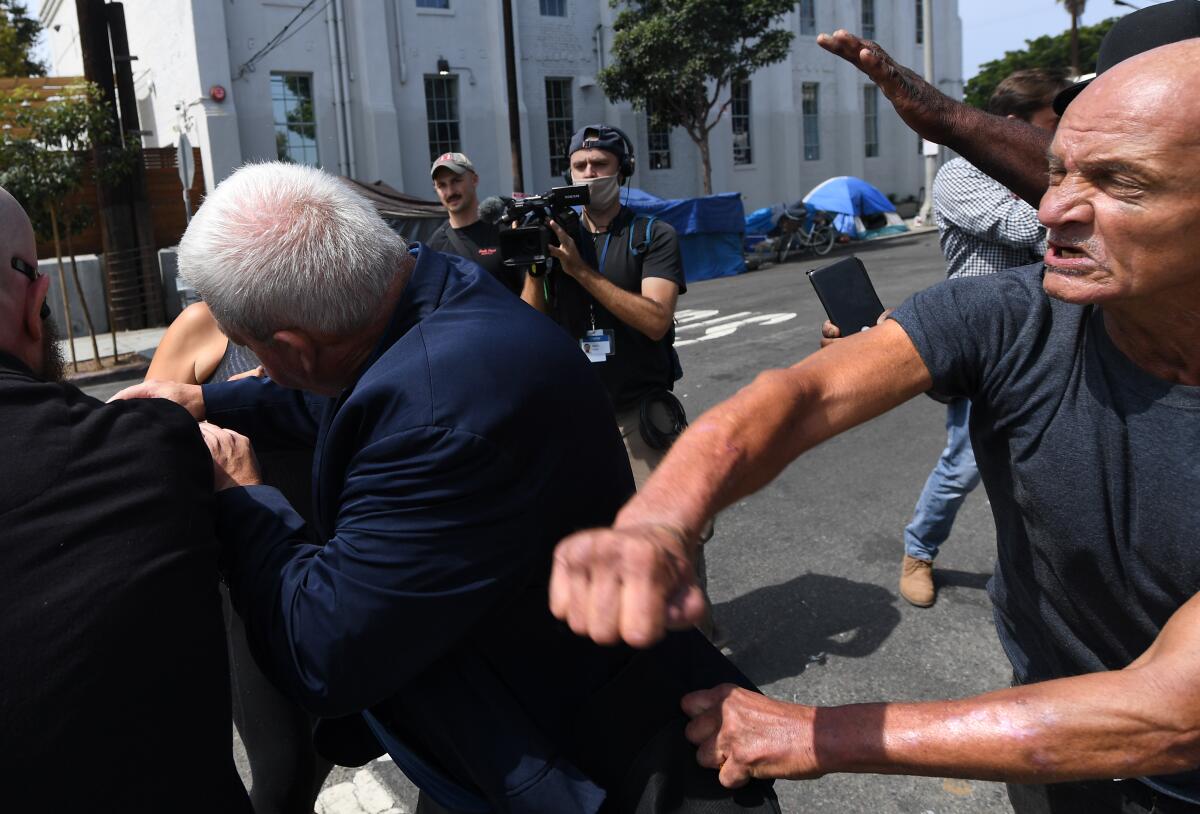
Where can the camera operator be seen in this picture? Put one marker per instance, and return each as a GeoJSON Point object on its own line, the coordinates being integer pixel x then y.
{"type": "Point", "coordinates": [467, 234]}
{"type": "Point", "coordinates": [620, 278]}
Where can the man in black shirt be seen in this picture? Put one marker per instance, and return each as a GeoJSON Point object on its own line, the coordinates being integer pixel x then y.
{"type": "Point", "coordinates": [465, 235]}
{"type": "Point", "coordinates": [616, 292]}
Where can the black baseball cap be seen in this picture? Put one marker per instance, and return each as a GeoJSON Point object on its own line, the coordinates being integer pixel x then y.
{"type": "Point", "coordinates": [1135, 33]}
{"type": "Point", "coordinates": [603, 137]}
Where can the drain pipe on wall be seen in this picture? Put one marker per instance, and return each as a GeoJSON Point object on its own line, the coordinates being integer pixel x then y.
{"type": "Point", "coordinates": [344, 73]}
{"type": "Point", "coordinates": [337, 89]}
{"type": "Point", "coordinates": [400, 42]}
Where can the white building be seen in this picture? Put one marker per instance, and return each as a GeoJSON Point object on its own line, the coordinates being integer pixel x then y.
{"type": "Point", "coordinates": [354, 86]}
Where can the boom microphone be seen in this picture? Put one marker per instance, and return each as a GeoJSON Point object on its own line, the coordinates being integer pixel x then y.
{"type": "Point", "coordinates": [492, 209]}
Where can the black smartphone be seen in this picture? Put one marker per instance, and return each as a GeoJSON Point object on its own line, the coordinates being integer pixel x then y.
{"type": "Point", "coordinates": [846, 292]}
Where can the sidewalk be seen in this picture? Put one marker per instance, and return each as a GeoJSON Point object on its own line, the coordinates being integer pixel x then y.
{"type": "Point", "coordinates": [143, 343]}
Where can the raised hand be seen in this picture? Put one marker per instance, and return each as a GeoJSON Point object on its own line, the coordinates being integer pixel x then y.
{"type": "Point", "coordinates": [923, 107]}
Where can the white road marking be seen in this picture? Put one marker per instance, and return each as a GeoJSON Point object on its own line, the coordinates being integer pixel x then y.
{"type": "Point", "coordinates": [725, 326]}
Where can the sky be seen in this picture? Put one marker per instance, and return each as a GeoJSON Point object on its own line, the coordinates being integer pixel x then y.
{"type": "Point", "coordinates": [990, 28]}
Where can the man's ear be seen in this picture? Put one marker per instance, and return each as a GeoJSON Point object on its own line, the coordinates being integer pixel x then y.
{"type": "Point", "coordinates": [297, 349]}
{"type": "Point", "coordinates": [35, 295]}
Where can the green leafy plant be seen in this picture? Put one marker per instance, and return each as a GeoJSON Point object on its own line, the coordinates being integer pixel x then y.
{"type": "Point", "coordinates": [680, 58]}
{"type": "Point", "coordinates": [1050, 51]}
{"type": "Point", "coordinates": [46, 155]}
{"type": "Point", "coordinates": [18, 35]}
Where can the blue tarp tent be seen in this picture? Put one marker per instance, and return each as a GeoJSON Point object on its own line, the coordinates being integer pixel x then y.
{"type": "Point", "coordinates": [710, 230]}
{"type": "Point", "coordinates": [851, 198]}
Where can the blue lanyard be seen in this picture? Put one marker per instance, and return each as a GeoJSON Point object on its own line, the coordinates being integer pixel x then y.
{"type": "Point", "coordinates": [604, 253]}
{"type": "Point", "coordinates": [603, 257]}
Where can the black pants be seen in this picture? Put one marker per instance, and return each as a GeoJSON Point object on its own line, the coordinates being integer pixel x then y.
{"type": "Point", "coordinates": [1094, 797]}
{"type": "Point", "coordinates": [666, 779]}
{"type": "Point", "coordinates": [285, 770]}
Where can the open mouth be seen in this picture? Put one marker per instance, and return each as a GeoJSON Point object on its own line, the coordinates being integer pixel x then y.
{"type": "Point", "coordinates": [1068, 253]}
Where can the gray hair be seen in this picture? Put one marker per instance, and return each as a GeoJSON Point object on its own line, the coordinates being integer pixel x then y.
{"type": "Point", "coordinates": [280, 246]}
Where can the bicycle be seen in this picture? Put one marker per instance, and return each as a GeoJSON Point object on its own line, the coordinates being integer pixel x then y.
{"type": "Point", "coordinates": [794, 237]}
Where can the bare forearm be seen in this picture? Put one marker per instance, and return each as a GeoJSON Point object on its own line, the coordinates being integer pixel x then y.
{"type": "Point", "coordinates": [1009, 150]}
{"type": "Point", "coordinates": [643, 314]}
{"type": "Point", "coordinates": [1105, 725]}
{"type": "Point", "coordinates": [534, 293]}
{"type": "Point", "coordinates": [742, 444]}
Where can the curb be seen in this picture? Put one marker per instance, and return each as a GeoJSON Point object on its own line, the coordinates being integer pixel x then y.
{"type": "Point", "coordinates": [109, 375]}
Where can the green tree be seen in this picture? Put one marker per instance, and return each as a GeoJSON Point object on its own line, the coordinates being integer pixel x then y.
{"type": "Point", "coordinates": [18, 35]}
{"type": "Point", "coordinates": [46, 148]}
{"type": "Point", "coordinates": [679, 58]}
{"type": "Point", "coordinates": [1050, 51]}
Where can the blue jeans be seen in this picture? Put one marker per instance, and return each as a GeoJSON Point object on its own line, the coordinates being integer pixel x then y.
{"type": "Point", "coordinates": [949, 483]}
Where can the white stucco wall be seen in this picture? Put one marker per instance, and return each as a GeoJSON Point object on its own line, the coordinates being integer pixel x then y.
{"type": "Point", "coordinates": [184, 47]}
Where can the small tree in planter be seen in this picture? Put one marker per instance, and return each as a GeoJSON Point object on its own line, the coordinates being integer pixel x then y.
{"type": "Point", "coordinates": [45, 157]}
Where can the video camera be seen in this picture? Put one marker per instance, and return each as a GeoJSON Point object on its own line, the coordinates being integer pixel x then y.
{"type": "Point", "coordinates": [526, 246]}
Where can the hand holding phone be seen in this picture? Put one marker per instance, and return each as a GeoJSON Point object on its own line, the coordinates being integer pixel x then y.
{"type": "Point", "coordinates": [845, 291]}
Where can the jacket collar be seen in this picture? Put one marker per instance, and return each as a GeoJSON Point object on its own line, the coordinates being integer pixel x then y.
{"type": "Point", "coordinates": [10, 363]}
{"type": "Point", "coordinates": [421, 296]}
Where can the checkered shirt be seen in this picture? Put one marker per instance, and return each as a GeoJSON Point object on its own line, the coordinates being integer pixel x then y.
{"type": "Point", "coordinates": [982, 226]}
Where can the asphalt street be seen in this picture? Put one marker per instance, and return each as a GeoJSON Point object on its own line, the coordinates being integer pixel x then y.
{"type": "Point", "coordinates": [803, 574]}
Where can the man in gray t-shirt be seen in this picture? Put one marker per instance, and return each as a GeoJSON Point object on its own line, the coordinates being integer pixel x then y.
{"type": "Point", "coordinates": [1085, 382]}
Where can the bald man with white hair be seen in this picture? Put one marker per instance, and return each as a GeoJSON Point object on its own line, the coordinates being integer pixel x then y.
{"type": "Point", "coordinates": [1084, 377]}
{"type": "Point", "coordinates": [114, 690]}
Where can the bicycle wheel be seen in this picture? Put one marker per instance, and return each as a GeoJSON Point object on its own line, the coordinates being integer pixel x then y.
{"type": "Point", "coordinates": [822, 240]}
{"type": "Point", "coordinates": [786, 244]}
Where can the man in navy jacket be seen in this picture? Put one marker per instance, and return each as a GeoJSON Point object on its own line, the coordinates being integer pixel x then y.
{"type": "Point", "coordinates": [446, 467]}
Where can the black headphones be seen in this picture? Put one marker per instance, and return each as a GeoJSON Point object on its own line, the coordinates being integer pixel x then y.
{"type": "Point", "coordinates": [628, 162]}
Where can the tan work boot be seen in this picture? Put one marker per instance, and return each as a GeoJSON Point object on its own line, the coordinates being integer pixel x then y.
{"type": "Point", "coordinates": [916, 581]}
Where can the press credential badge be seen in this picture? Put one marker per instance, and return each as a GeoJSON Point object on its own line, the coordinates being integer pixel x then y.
{"type": "Point", "coordinates": [597, 345]}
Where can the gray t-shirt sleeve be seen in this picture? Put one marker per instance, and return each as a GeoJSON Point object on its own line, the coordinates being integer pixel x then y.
{"type": "Point", "coordinates": [663, 257]}
{"type": "Point", "coordinates": [971, 331]}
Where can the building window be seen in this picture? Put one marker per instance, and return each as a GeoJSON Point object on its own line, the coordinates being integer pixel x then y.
{"type": "Point", "coordinates": [810, 108]}
{"type": "Point", "coordinates": [868, 19]}
{"type": "Point", "coordinates": [560, 122]}
{"type": "Point", "coordinates": [553, 8]}
{"type": "Point", "coordinates": [441, 112]}
{"type": "Point", "coordinates": [433, 3]}
{"type": "Point", "coordinates": [295, 121]}
{"type": "Point", "coordinates": [658, 139]}
{"type": "Point", "coordinates": [870, 121]}
{"type": "Point", "coordinates": [920, 21]}
{"type": "Point", "coordinates": [742, 153]}
{"type": "Point", "coordinates": [808, 16]}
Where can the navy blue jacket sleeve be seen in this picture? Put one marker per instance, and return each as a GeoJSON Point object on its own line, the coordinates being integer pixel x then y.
{"type": "Point", "coordinates": [269, 415]}
{"type": "Point", "coordinates": [433, 529]}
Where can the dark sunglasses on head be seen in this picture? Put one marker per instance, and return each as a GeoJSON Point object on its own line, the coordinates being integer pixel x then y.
{"type": "Point", "coordinates": [32, 273]}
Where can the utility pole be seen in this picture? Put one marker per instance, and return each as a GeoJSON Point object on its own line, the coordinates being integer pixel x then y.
{"type": "Point", "coordinates": [928, 148]}
{"type": "Point", "coordinates": [118, 232]}
{"type": "Point", "coordinates": [131, 135]}
{"type": "Point", "coordinates": [514, 115]}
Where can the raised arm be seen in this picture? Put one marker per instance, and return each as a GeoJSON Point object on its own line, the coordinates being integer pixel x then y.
{"type": "Point", "coordinates": [635, 580]}
{"type": "Point", "coordinates": [1142, 720]}
{"type": "Point", "coordinates": [1009, 150]}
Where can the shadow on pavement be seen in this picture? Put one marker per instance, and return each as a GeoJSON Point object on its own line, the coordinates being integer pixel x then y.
{"type": "Point", "coordinates": [948, 577]}
{"type": "Point", "coordinates": [778, 631]}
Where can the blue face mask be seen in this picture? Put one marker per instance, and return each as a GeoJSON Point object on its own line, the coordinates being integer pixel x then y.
{"type": "Point", "coordinates": [603, 192]}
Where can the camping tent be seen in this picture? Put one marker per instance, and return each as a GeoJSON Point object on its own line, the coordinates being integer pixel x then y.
{"type": "Point", "coordinates": [851, 198]}
{"type": "Point", "coordinates": [710, 230]}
